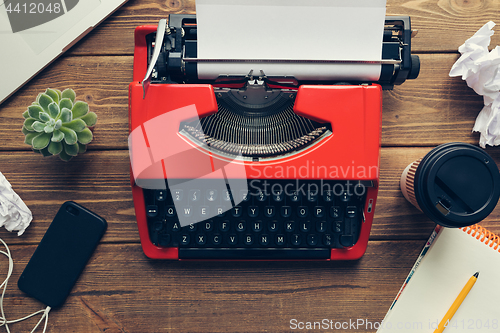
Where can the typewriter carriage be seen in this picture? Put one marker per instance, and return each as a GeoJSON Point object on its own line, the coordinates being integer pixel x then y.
{"type": "Point", "coordinates": [178, 56]}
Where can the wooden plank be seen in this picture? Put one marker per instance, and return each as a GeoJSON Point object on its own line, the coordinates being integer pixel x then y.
{"type": "Point", "coordinates": [442, 26]}
{"type": "Point", "coordinates": [121, 291]}
{"type": "Point", "coordinates": [100, 181]}
{"type": "Point", "coordinates": [102, 82]}
{"type": "Point", "coordinates": [430, 110]}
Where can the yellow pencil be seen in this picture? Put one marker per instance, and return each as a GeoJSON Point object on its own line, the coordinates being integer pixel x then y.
{"type": "Point", "coordinates": [454, 307]}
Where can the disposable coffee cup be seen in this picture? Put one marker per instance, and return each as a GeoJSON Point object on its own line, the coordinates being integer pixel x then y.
{"type": "Point", "coordinates": [456, 184]}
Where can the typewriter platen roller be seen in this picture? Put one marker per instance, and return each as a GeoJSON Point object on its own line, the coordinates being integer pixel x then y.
{"type": "Point", "coordinates": [177, 60]}
{"type": "Point", "coordinates": [308, 149]}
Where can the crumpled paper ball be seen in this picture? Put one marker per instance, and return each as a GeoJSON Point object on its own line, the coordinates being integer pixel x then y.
{"type": "Point", "coordinates": [14, 214]}
{"type": "Point", "coordinates": [480, 68]}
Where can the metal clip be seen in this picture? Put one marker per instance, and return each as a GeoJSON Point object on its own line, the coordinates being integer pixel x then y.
{"type": "Point", "coordinates": [250, 75]}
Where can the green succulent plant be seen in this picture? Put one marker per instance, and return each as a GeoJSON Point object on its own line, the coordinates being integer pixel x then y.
{"type": "Point", "coordinates": [57, 125]}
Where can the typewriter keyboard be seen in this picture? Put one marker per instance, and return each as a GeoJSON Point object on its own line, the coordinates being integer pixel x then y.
{"type": "Point", "coordinates": [303, 220]}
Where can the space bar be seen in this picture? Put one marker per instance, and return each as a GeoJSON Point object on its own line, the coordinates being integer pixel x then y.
{"type": "Point", "coordinates": [254, 253]}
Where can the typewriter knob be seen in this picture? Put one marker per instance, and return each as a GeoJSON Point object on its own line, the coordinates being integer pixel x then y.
{"type": "Point", "coordinates": [415, 67]}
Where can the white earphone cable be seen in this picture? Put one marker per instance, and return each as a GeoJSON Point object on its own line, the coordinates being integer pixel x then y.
{"type": "Point", "coordinates": [3, 320]}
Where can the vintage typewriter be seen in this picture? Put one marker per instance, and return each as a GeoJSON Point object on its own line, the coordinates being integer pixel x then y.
{"type": "Point", "coordinates": [253, 166]}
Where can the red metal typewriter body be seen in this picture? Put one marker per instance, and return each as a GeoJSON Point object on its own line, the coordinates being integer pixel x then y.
{"type": "Point", "coordinates": [348, 152]}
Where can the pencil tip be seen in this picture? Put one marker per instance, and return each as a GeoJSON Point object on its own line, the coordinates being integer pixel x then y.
{"type": "Point", "coordinates": [476, 275]}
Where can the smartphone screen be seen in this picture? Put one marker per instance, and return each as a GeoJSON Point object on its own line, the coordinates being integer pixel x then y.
{"type": "Point", "coordinates": [62, 254]}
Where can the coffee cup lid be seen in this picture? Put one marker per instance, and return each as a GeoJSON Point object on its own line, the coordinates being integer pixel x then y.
{"type": "Point", "coordinates": [457, 184]}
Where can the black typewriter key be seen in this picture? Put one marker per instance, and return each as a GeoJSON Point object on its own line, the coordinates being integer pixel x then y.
{"type": "Point", "coordinates": [224, 226]}
{"type": "Point", "coordinates": [319, 211]}
{"type": "Point", "coordinates": [312, 196]}
{"type": "Point", "coordinates": [216, 239]}
{"type": "Point", "coordinates": [169, 211]}
{"type": "Point", "coordinates": [161, 195]}
{"type": "Point", "coordinates": [194, 195]}
{"type": "Point", "coordinates": [257, 226]}
{"type": "Point", "coordinates": [272, 226]}
{"type": "Point", "coordinates": [164, 239]}
{"type": "Point", "coordinates": [200, 239]}
{"type": "Point", "coordinates": [192, 227]}
{"type": "Point", "coordinates": [187, 211]}
{"type": "Point", "coordinates": [286, 211]}
{"type": "Point", "coordinates": [177, 195]}
{"type": "Point", "coordinates": [184, 239]}
{"type": "Point", "coordinates": [269, 211]}
{"type": "Point", "coordinates": [346, 240]}
{"type": "Point", "coordinates": [277, 196]}
{"type": "Point", "coordinates": [328, 195]}
{"type": "Point", "coordinates": [245, 196]}
{"type": "Point", "coordinates": [345, 197]}
{"type": "Point", "coordinates": [312, 239]}
{"type": "Point", "coordinates": [253, 211]}
{"type": "Point", "coordinates": [264, 240]}
{"type": "Point", "coordinates": [232, 239]}
{"type": "Point", "coordinates": [208, 226]}
{"type": "Point", "coordinates": [302, 211]}
{"type": "Point", "coordinates": [305, 226]}
{"type": "Point", "coordinates": [241, 226]}
{"type": "Point", "coordinates": [261, 196]}
{"type": "Point", "coordinates": [337, 227]}
{"type": "Point", "coordinates": [226, 195]}
{"type": "Point", "coordinates": [335, 212]}
{"type": "Point", "coordinates": [295, 239]}
{"type": "Point", "coordinates": [211, 195]}
{"type": "Point", "coordinates": [204, 212]}
{"type": "Point", "coordinates": [321, 226]}
{"type": "Point", "coordinates": [280, 240]}
{"type": "Point", "coordinates": [176, 227]}
{"type": "Point", "coordinates": [152, 211]}
{"type": "Point", "coordinates": [236, 211]}
{"type": "Point", "coordinates": [220, 212]}
{"type": "Point", "coordinates": [290, 226]}
{"type": "Point", "coordinates": [295, 196]}
{"type": "Point", "coordinates": [351, 211]}
{"type": "Point", "coordinates": [327, 240]}
{"type": "Point", "coordinates": [248, 240]}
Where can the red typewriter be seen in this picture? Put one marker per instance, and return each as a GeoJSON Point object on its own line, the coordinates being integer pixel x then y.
{"type": "Point", "coordinates": [253, 167]}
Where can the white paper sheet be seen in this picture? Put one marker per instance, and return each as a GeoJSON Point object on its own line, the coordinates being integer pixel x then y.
{"type": "Point", "coordinates": [480, 69]}
{"type": "Point", "coordinates": [291, 30]}
{"type": "Point", "coordinates": [14, 214]}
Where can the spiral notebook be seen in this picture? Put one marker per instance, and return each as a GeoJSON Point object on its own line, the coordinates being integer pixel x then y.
{"type": "Point", "coordinates": [448, 260]}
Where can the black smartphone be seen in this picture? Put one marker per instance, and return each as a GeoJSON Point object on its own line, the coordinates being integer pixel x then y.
{"type": "Point", "coordinates": [62, 254]}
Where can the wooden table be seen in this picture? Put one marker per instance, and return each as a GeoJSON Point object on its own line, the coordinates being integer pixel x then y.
{"type": "Point", "coordinates": [123, 291]}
